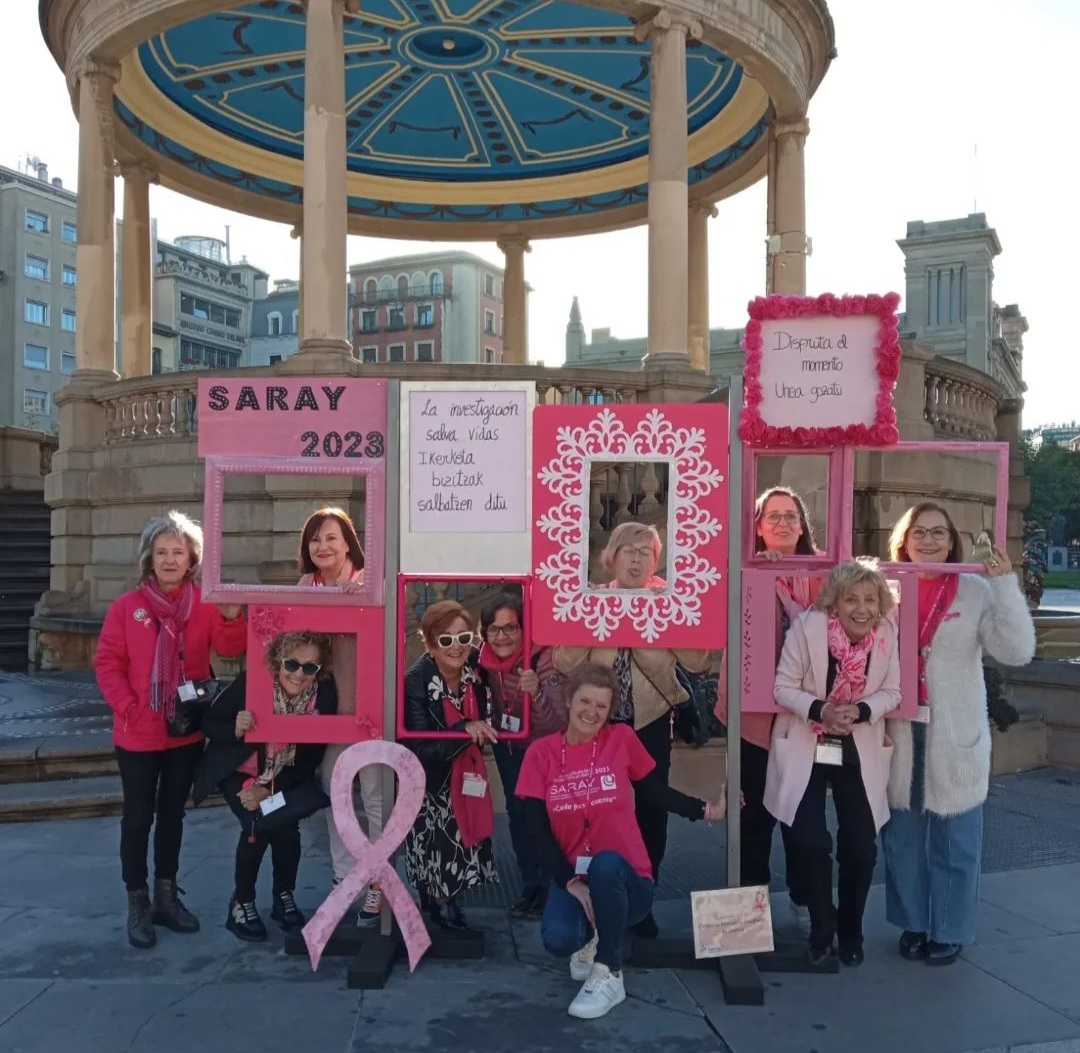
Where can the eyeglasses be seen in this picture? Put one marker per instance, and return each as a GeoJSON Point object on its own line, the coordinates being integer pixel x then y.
{"type": "Point", "coordinates": [641, 552]}
{"type": "Point", "coordinates": [504, 630]}
{"type": "Point", "coordinates": [776, 518]}
{"type": "Point", "coordinates": [291, 665]}
{"type": "Point", "coordinates": [935, 534]}
{"type": "Point", "coordinates": [446, 640]}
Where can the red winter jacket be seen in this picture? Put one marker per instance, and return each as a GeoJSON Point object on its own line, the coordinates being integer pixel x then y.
{"type": "Point", "coordinates": [125, 659]}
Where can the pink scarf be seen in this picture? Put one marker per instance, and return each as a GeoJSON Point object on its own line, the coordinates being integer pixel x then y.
{"type": "Point", "coordinates": [475, 816]}
{"type": "Point", "coordinates": [490, 661]}
{"type": "Point", "coordinates": [936, 596]}
{"type": "Point", "coordinates": [171, 612]}
{"type": "Point", "coordinates": [850, 682]}
{"type": "Point", "coordinates": [347, 571]}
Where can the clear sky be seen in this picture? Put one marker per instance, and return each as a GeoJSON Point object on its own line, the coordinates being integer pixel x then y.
{"type": "Point", "coordinates": [894, 127]}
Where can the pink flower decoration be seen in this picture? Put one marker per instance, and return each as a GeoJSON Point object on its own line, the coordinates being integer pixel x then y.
{"type": "Point", "coordinates": [267, 623]}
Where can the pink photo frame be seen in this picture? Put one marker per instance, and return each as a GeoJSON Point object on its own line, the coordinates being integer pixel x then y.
{"type": "Point", "coordinates": [845, 397]}
{"type": "Point", "coordinates": [374, 527]}
{"type": "Point", "coordinates": [403, 733]}
{"type": "Point", "coordinates": [757, 669]}
{"type": "Point", "coordinates": [691, 610]}
{"type": "Point", "coordinates": [366, 624]}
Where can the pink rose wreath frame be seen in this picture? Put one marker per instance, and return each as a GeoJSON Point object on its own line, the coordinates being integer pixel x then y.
{"type": "Point", "coordinates": [880, 428]}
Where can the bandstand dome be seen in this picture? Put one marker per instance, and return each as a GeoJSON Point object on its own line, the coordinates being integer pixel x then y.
{"type": "Point", "coordinates": [464, 118]}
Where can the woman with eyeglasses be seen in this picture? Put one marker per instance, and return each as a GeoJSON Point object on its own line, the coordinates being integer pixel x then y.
{"type": "Point", "coordinates": [249, 775]}
{"type": "Point", "coordinates": [649, 690]}
{"type": "Point", "coordinates": [781, 530]}
{"type": "Point", "coordinates": [448, 850]}
{"type": "Point", "coordinates": [509, 677]}
{"type": "Point", "coordinates": [941, 767]}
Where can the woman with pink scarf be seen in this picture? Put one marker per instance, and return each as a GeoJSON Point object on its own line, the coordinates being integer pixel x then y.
{"type": "Point", "coordinates": [839, 674]}
{"type": "Point", "coordinates": [155, 644]}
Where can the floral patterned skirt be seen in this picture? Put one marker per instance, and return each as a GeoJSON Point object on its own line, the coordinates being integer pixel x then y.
{"type": "Point", "coordinates": [436, 862]}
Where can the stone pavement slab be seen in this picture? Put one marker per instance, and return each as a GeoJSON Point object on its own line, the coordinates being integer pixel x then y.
{"type": "Point", "coordinates": [1049, 896]}
{"type": "Point", "coordinates": [1023, 964]}
{"type": "Point", "coordinates": [16, 994]}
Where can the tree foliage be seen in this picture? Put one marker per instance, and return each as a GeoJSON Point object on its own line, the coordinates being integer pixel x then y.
{"type": "Point", "coordinates": [1054, 474]}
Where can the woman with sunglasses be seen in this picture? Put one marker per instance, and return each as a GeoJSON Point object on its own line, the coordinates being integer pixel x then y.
{"type": "Point", "coordinates": [248, 775]}
{"type": "Point", "coordinates": [331, 557]}
{"type": "Point", "coordinates": [941, 768]}
{"type": "Point", "coordinates": [781, 530]}
{"type": "Point", "coordinates": [509, 677]}
{"type": "Point", "coordinates": [448, 850]}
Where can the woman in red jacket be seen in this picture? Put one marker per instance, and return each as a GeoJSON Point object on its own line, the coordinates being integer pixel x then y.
{"type": "Point", "coordinates": [156, 640]}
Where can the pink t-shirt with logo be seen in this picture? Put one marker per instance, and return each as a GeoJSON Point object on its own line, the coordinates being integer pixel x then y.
{"type": "Point", "coordinates": [587, 790]}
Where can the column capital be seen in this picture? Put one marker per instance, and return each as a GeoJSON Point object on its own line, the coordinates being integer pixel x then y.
{"type": "Point", "coordinates": [799, 126]}
{"type": "Point", "coordinates": [297, 231]}
{"type": "Point", "coordinates": [138, 171]}
{"type": "Point", "coordinates": [704, 208]}
{"type": "Point", "coordinates": [92, 67]}
{"type": "Point", "coordinates": [664, 20]}
{"type": "Point", "coordinates": [510, 242]}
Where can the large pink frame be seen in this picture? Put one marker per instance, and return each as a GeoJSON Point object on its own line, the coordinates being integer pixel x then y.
{"type": "Point", "coordinates": [374, 526]}
{"type": "Point", "coordinates": [366, 624]}
{"type": "Point", "coordinates": [404, 580]}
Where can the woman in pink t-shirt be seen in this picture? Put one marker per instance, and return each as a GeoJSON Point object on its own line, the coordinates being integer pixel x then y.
{"type": "Point", "coordinates": [579, 789]}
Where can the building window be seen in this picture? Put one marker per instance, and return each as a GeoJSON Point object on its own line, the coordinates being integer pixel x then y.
{"type": "Point", "coordinates": [209, 311]}
{"type": "Point", "coordinates": [67, 361]}
{"type": "Point", "coordinates": [36, 313]}
{"type": "Point", "coordinates": [194, 355]}
{"type": "Point", "coordinates": [425, 351]}
{"type": "Point", "coordinates": [489, 355]}
{"type": "Point", "coordinates": [67, 321]}
{"type": "Point", "coordinates": [35, 356]}
{"type": "Point", "coordinates": [403, 288]}
{"type": "Point", "coordinates": [371, 290]}
{"type": "Point", "coordinates": [275, 359]}
{"type": "Point", "coordinates": [69, 233]}
{"type": "Point", "coordinates": [369, 321]}
{"type": "Point", "coordinates": [397, 317]}
{"type": "Point", "coordinates": [436, 283]}
{"type": "Point", "coordinates": [489, 284]}
{"type": "Point", "coordinates": [155, 360]}
{"type": "Point", "coordinates": [425, 315]}
{"type": "Point", "coordinates": [34, 401]}
{"type": "Point", "coordinates": [370, 355]}
{"type": "Point", "coordinates": [489, 322]}
{"type": "Point", "coordinates": [273, 324]}
{"type": "Point", "coordinates": [397, 352]}
{"type": "Point", "coordinates": [38, 222]}
{"type": "Point", "coordinates": [37, 267]}
{"type": "Point", "coordinates": [295, 322]}
{"type": "Point", "coordinates": [69, 274]}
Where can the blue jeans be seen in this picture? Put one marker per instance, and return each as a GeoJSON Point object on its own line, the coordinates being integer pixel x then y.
{"type": "Point", "coordinates": [508, 759]}
{"type": "Point", "coordinates": [620, 897]}
{"type": "Point", "coordinates": [932, 864]}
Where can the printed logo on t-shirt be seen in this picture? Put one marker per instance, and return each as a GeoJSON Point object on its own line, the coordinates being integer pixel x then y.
{"type": "Point", "coordinates": [607, 782]}
{"type": "Point", "coordinates": [571, 791]}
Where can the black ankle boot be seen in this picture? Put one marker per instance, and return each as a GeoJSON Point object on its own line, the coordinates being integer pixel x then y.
{"type": "Point", "coordinates": [140, 923]}
{"type": "Point", "coordinates": [286, 913]}
{"type": "Point", "coordinates": [168, 909]}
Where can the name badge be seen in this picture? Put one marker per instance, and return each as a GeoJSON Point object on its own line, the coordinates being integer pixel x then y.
{"type": "Point", "coordinates": [923, 716]}
{"type": "Point", "coordinates": [272, 803]}
{"type": "Point", "coordinates": [474, 785]}
{"type": "Point", "coordinates": [186, 692]}
{"type": "Point", "coordinates": [581, 867]}
{"type": "Point", "coordinates": [829, 751]}
{"type": "Point", "coordinates": [510, 723]}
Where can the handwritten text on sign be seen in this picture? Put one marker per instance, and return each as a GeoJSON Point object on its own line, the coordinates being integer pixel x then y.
{"type": "Point", "coordinates": [467, 461]}
{"type": "Point", "coordinates": [819, 372]}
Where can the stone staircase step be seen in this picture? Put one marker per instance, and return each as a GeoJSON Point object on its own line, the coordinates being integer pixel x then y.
{"type": "Point", "coordinates": [37, 760]}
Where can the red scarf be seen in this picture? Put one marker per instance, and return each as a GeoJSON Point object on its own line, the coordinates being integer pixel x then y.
{"type": "Point", "coordinates": [474, 815]}
{"type": "Point", "coordinates": [490, 661]}
{"type": "Point", "coordinates": [936, 596]}
{"type": "Point", "coordinates": [171, 612]}
{"type": "Point", "coordinates": [850, 682]}
{"type": "Point", "coordinates": [347, 571]}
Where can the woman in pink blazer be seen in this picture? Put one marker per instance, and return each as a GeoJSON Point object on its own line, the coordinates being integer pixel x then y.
{"type": "Point", "coordinates": [839, 674]}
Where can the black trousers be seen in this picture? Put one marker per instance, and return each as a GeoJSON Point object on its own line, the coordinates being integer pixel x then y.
{"type": "Point", "coordinates": [652, 821]}
{"type": "Point", "coordinates": [284, 848]}
{"type": "Point", "coordinates": [856, 853]}
{"type": "Point", "coordinates": [756, 825]}
{"type": "Point", "coordinates": [156, 785]}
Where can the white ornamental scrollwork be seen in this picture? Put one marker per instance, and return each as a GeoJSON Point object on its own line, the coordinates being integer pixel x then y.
{"type": "Point", "coordinates": [695, 534]}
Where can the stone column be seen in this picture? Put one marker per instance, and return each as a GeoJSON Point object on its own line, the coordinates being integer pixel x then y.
{"type": "Point", "coordinates": [515, 301]}
{"type": "Point", "coordinates": [1009, 430]}
{"type": "Point", "coordinates": [136, 273]}
{"type": "Point", "coordinates": [786, 272]}
{"type": "Point", "coordinates": [323, 293]}
{"type": "Point", "coordinates": [697, 336]}
{"type": "Point", "coordinates": [668, 194]}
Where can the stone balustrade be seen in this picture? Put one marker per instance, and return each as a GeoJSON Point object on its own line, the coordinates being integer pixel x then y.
{"type": "Point", "coordinates": [25, 458]}
{"type": "Point", "coordinates": [961, 402]}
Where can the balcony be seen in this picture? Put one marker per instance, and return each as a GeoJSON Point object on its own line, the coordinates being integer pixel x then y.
{"type": "Point", "coordinates": [414, 292]}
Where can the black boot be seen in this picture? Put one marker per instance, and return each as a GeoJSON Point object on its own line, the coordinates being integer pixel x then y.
{"type": "Point", "coordinates": [244, 923]}
{"type": "Point", "coordinates": [140, 924]}
{"type": "Point", "coordinates": [169, 910]}
{"type": "Point", "coordinates": [286, 913]}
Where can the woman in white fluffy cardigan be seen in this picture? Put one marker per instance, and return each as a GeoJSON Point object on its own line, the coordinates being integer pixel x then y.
{"type": "Point", "coordinates": [940, 772]}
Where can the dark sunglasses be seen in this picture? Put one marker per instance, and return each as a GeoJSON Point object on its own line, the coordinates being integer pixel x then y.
{"type": "Point", "coordinates": [291, 665]}
{"type": "Point", "coordinates": [449, 639]}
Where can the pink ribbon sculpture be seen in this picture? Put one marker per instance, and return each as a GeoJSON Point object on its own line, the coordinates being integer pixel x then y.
{"type": "Point", "coordinates": [373, 859]}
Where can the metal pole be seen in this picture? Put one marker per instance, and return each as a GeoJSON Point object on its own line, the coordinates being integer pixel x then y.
{"type": "Point", "coordinates": [734, 631]}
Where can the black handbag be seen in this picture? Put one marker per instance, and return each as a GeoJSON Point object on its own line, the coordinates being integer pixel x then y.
{"type": "Point", "coordinates": [188, 713]}
{"type": "Point", "coordinates": [301, 800]}
{"type": "Point", "coordinates": [686, 719]}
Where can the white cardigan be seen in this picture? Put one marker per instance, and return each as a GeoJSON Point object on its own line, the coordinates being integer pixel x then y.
{"type": "Point", "coordinates": [988, 614]}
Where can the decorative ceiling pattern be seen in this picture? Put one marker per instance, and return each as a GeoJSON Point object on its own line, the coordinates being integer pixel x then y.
{"type": "Point", "coordinates": [449, 96]}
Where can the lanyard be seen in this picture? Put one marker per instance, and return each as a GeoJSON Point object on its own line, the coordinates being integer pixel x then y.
{"type": "Point", "coordinates": [588, 785]}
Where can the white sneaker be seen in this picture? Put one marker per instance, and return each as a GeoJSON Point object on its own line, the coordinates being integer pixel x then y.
{"type": "Point", "coordinates": [801, 916]}
{"type": "Point", "coordinates": [601, 992]}
{"type": "Point", "coordinates": [581, 962]}
{"type": "Point", "coordinates": [368, 915]}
